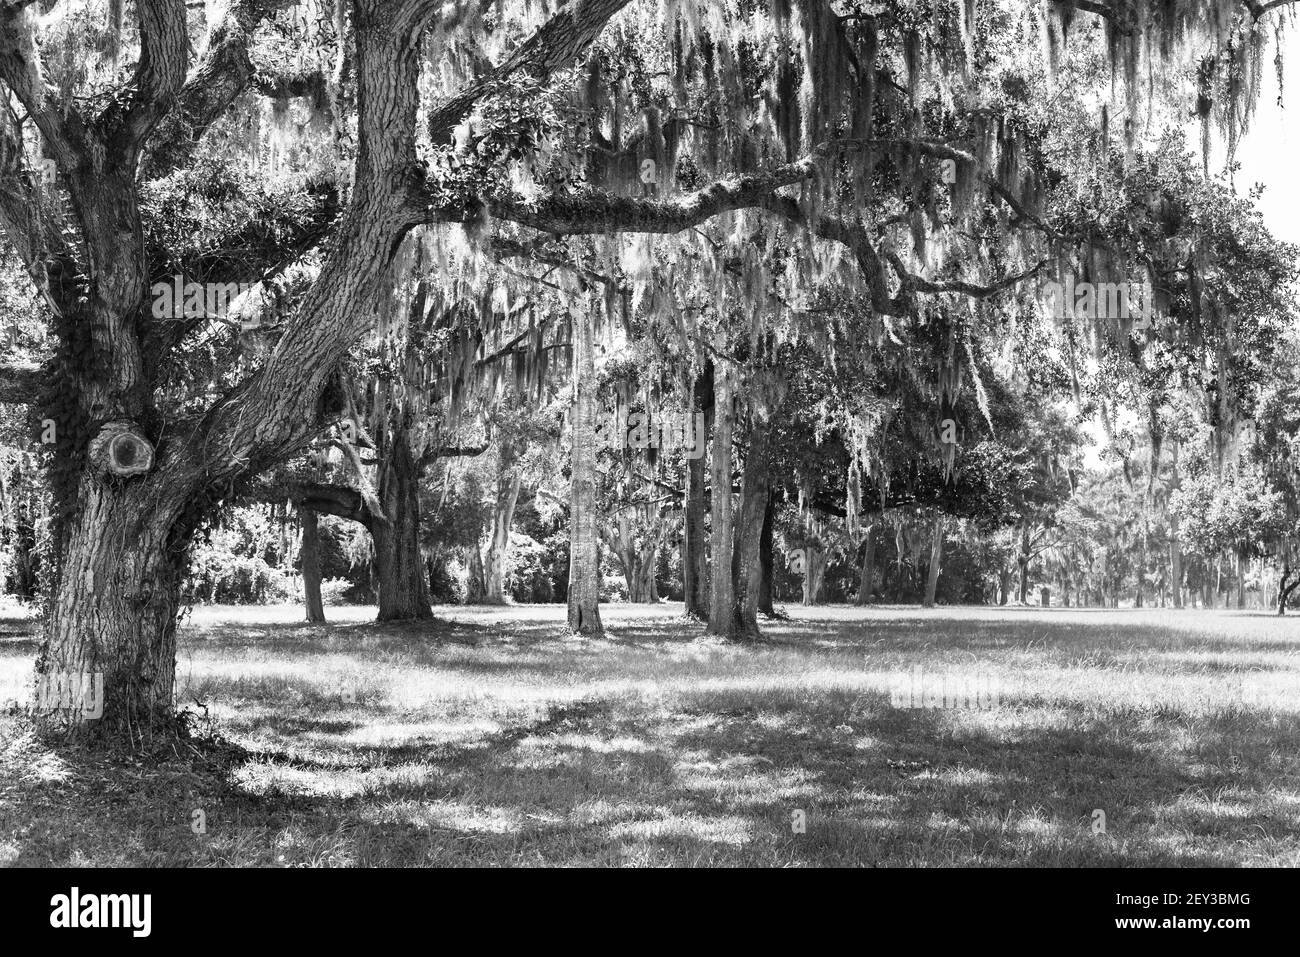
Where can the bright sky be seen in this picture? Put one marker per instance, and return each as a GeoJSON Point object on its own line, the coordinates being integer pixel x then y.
{"type": "Point", "coordinates": [1268, 152]}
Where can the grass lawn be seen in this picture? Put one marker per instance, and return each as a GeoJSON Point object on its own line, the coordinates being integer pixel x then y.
{"type": "Point", "coordinates": [489, 737]}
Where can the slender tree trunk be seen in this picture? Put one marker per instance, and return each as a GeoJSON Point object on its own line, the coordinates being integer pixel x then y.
{"type": "Point", "coordinates": [868, 570]}
{"type": "Point", "coordinates": [310, 558]}
{"type": "Point", "coordinates": [722, 590]}
{"type": "Point", "coordinates": [1175, 563]}
{"type": "Point", "coordinates": [746, 564]}
{"type": "Point", "coordinates": [1004, 585]}
{"type": "Point", "coordinates": [814, 575]}
{"type": "Point", "coordinates": [1139, 576]}
{"type": "Point", "coordinates": [695, 558]}
{"type": "Point", "coordinates": [584, 553]}
{"type": "Point", "coordinates": [1023, 561]}
{"type": "Point", "coordinates": [936, 556]}
{"type": "Point", "coordinates": [498, 545]}
{"type": "Point", "coordinates": [1286, 585]}
{"type": "Point", "coordinates": [900, 546]}
{"type": "Point", "coordinates": [1241, 579]}
{"type": "Point", "coordinates": [475, 586]}
{"type": "Point", "coordinates": [767, 560]}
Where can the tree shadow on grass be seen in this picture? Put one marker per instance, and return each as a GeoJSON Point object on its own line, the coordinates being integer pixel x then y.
{"type": "Point", "coordinates": [708, 769]}
{"type": "Point", "coordinates": [716, 777]}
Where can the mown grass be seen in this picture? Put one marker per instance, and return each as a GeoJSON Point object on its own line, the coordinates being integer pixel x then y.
{"type": "Point", "coordinates": [491, 738]}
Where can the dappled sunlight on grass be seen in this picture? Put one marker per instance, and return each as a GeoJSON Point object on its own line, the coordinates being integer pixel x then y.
{"type": "Point", "coordinates": [491, 737]}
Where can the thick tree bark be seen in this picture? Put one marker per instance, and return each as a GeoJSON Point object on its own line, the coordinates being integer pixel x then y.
{"type": "Point", "coordinates": [721, 589]}
{"type": "Point", "coordinates": [936, 556]}
{"type": "Point", "coordinates": [113, 613]}
{"type": "Point", "coordinates": [399, 566]}
{"type": "Point", "coordinates": [584, 556]}
{"type": "Point", "coordinates": [868, 570]}
{"type": "Point", "coordinates": [310, 558]}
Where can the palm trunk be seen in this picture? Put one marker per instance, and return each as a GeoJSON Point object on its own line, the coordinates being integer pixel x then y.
{"type": "Point", "coordinates": [1241, 579]}
{"type": "Point", "coordinates": [721, 590]}
{"type": "Point", "coordinates": [1140, 583]}
{"type": "Point", "coordinates": [746, 565]}
{"type": "Point", "coordinates": [695, 558]}
{"type": "Point", "coordinates": [1175, 563]}
{"type": "Point", "coordinates": [584, 554]}
{"type": "Point", "coordinates": [310, 557]}
{"type": "Point", "coordinates": [1022, 560]}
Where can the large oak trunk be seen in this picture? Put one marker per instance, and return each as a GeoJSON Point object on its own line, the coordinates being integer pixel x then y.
{"type": "Point", "coordinates": [112, 616]}
{"type": "Point", "coordinates": [403, 589]}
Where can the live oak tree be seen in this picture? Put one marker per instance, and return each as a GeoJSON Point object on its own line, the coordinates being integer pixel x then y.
{"type": "Point", "coordinates": [894, 154]}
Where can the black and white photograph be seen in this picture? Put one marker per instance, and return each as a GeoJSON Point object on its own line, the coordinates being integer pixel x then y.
{"type": "Point", "coordinates": [650, 434]}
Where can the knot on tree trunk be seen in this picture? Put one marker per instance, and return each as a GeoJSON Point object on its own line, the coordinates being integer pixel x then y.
{"type": "Point", "coordinates": [119, 449]}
